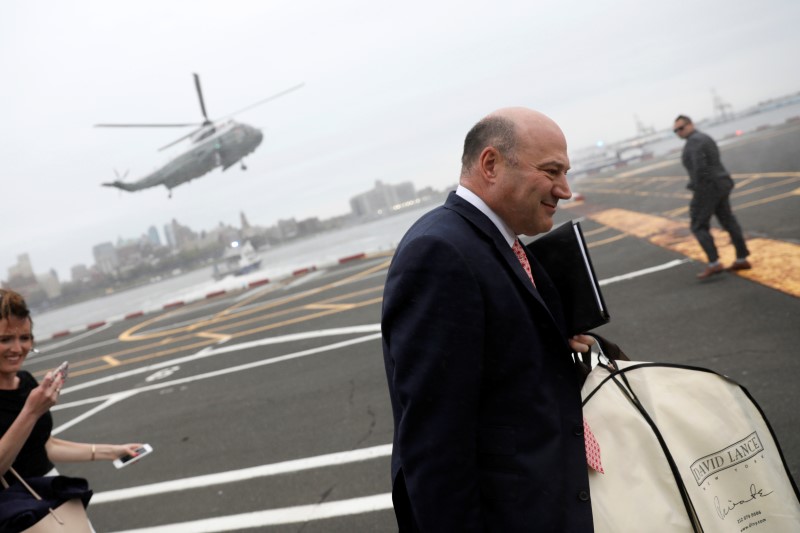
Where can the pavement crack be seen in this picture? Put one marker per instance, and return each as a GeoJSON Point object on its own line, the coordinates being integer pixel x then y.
{"type": "Point", "coordinates": [322, 498]}
{"type": "Point", "coordinates": [372, 422]}
{"type": "Point", "coordinates": [352, 392]}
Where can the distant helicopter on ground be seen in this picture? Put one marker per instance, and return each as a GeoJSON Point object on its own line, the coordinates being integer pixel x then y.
{"type": "Point", "coordinates": [218, 143]}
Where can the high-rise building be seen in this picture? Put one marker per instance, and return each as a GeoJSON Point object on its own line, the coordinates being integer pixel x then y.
{"type": "Point", "coordinates": [105, 257]}
{"type": "Point", "coordinates": [22, 279]}
{"type": "Point", "coordinates": [152, 236]}
{"type": "Point", "coordinates": [169, 235]}
{"type": "Point", "coordinates": [179, 236]}
{"type": "Point", "coordinates": [49, 284]}
{"type": "Point", "coordinates": [382, 199]}
{"type": "Point", "coordinates": [79, 273]}
{"type": "Point", "coordinates": [23, 268]}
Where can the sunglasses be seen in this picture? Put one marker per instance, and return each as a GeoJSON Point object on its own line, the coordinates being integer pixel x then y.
{"type": "Point", "coordinates": [679, 128]}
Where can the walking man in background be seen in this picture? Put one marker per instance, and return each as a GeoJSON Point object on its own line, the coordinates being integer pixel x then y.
{"type": "Point", "coordinates": [711, 186]}
{"type": "Point", "coordinates": [488, 429]}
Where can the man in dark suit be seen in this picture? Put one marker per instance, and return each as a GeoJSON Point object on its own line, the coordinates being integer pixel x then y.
{"type": "Point", "coordinates": [485, 395]}
{"type": "Point", "coordinates": [711, 186]}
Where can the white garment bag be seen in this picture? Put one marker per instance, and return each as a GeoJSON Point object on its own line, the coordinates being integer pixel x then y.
{"type": "Point", "coordinates": [684, 449]}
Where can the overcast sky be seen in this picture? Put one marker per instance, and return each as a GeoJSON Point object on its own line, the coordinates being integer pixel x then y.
{"type": "Point", "coordinates": [391, 90]}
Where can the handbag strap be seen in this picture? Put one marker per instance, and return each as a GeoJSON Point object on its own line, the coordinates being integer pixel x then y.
{"type": "Point", "coordinates": [30, 489]}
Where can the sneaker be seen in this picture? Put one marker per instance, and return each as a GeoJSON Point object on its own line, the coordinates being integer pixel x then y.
{"type": "Point", "coordinates": [740, 264]}
{"type": "Point", "coordinates": [710, 271]}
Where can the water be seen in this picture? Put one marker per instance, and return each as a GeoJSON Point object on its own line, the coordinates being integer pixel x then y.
{"type": "Point", "coordinates": [727, 131]}
{"type": "Point", "coordinates": [278, 262]}
{"type": "Point", "coordinates": [670, 143]}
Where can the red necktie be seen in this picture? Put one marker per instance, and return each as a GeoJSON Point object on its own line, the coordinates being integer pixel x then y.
{"type": "Point", "coordinates": [589, 441]}
{"type": "Point", "coordinates": [523, 259]}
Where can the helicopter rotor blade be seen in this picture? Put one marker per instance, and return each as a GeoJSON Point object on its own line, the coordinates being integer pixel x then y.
{"type": "Point", "coordinates": [146, 125]}
{"type": "Point", "coordinates": [265, 100]}
{"type": "Point", "coordinates": [173, 143]}
{"type": "Point", "coordinates": [200, 95]}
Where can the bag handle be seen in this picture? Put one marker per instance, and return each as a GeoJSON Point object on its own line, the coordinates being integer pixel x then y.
{"type": "Point", "coordinates": [30, 489]}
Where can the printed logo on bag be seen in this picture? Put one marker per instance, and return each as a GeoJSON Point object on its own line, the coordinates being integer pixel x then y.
{"type": "Point", "coordinates": [736, 453]}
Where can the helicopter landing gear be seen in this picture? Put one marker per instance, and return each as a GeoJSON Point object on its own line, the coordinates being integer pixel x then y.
{"type": "Point", "coordinates": [244, 167]}
{"type": "Point", "coordinates": [170, 194]}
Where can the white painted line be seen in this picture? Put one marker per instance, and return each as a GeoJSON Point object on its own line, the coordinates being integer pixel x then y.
{"type": "Point", "coordinates": [47, 353]}
{"type": "Point", "coordinates": [644, 272]}
{"type": "Point", "coordinates": [215, 373]}
{"type": "Point", "coordinates": [118, 397]}
{"type": "Point", "coordinates": [208, 352]}
{"type": "Point", "coordinates": [286, 515]}
{"type": "Point", "coordinates": [244, 474]}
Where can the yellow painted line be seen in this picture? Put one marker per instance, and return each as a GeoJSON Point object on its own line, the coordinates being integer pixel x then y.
{"type": "Point", "coordinates": [615, 238]}
{"type": "Point", "coordinates": [759, 175]}
{"type": "Point", "coordinates": [676, 212]}
{"type": "Point", "coordinates": [648, 168]}
{"type": "Point", "coordinates": [571, 205]}
{"type": "Point", "coordinates": [596, 231]}
{"type": "Point", "coordinates": [788, 181]}
{"type": "Point", "coordinates": [628, 192]}
{"type": "Point", "coordinates": [685, 209]}
{"type": "Point", "coordinates": [339, 307]}
{"type": "Point", "coordinates": [154, 350]}
{"type": "Point", "coordinates": [134, 333]}
{"type": "Point", "coordinates": [325, 310]}
{"type": "Point", "coordinates": [745, 182]}
{"type": "Point", "coordinates": [776, 264]}
{"type": "Point", "coordinates": [130, 360]}
{"type": "Point", "coordinates": [308, 317]}
{"type": "Point", "coordinates": [795, 192]}
{"type": "Point", "coordinates": [218, 337]}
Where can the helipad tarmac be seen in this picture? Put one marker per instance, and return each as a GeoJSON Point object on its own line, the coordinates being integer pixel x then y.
{"type": "Point", "coordinates": [268, 410]}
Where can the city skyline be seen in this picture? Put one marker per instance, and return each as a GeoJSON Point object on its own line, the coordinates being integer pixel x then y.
{"type": "Point", "coordinates": [382, 197]}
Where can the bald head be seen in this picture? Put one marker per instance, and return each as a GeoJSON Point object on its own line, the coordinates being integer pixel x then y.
{"type": "Point", "coordinates": [502, 130]}
{"type": "Point", "coordinates": [516, 161]}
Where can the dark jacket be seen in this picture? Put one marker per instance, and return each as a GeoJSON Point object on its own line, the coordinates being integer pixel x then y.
{"type": "Point", "coordinates": [485, 396]}
{"type": "Point", "coordinates": [701, 159]}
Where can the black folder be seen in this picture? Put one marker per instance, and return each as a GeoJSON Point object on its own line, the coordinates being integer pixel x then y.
{"type": "Point", "coordinates": [564, 255]}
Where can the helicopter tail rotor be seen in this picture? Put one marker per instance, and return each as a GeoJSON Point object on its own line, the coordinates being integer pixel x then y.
{"type": "Point", "coordinates": [119, 183]}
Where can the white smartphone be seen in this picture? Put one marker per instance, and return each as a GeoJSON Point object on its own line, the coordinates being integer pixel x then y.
{"type": "Point", "coordinates": [62, 369]}
{"type": "Point", "coordinates": [125, 460]}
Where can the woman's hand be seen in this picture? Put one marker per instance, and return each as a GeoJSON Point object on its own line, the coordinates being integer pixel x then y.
{"type": "Point", "coordinates": [119, 450]}
{"type": "Point", "coordinates": [45, 396]}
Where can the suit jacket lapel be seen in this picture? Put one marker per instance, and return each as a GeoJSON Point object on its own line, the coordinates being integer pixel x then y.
{"type": "Point", "coordinates": [485, 226]}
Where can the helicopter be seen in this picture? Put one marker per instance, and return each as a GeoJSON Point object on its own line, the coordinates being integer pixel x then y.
{"type": "Point", "coordinates": [215, 143]}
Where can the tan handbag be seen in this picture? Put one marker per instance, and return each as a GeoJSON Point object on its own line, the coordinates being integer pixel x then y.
{"type": "Point", "coordinates": [69, 517]}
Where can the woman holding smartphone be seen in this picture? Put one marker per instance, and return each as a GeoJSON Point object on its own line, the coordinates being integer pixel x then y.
{"type": "Point", "coordinates": [25, 420]}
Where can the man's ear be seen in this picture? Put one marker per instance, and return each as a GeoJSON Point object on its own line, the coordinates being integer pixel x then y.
{"type": "Point", "coordinates": [488, 163]}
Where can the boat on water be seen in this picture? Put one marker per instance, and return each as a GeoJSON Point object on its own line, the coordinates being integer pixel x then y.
{"type": "Point", "coordinates": [238, 259]}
